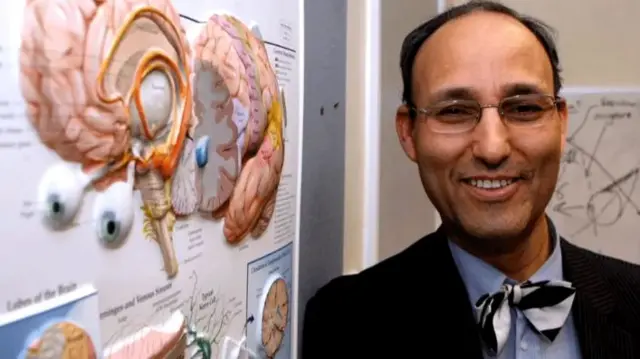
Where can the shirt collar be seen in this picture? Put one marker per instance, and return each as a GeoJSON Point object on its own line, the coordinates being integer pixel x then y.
{"type": "Point", "coordinates": [481, 278]}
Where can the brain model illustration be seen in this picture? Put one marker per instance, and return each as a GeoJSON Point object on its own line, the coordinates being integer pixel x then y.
{"type": "Point", "coordinates": [63, 340]}
{"type": "Point", "coordinates": [233, 163]}
{"type": "Point", "coordinates": [116, 91]}
{"type": "Point", "coordinates": [275, 311]}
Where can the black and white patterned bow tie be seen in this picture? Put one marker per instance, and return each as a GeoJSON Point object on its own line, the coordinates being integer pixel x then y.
{"type": "Point", "coordinates": [545, 304]}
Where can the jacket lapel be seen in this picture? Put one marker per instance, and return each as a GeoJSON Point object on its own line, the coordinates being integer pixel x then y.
{"type": "Point", "coordinates": [456, 303]}
{"type": "Point", "coordinates": [600, 337]}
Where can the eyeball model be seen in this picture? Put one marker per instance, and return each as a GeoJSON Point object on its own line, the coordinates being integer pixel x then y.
{"type": "Point", "coordinates": [113, 211]}
{"type": "Point", "coordinates": [60, 194]}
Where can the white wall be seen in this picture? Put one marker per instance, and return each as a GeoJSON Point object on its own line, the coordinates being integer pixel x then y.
{"type": "Point", "coordinates": [405, 212]}
{"type": "Point", "coordinates": [385, 208]}
{"type": "Point", "coordinates": [600, 52]}
{"type": "Point", "coordinates": [597, 39]}
{"type": "Point", "coordinates": [362, 25]}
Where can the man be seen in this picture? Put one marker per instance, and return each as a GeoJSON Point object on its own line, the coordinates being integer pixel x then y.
{"type": "Point", "coordinates": [483, 122]}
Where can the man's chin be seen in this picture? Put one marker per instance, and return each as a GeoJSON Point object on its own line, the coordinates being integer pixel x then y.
{"type": "Point", "coordinates": [494, 231]}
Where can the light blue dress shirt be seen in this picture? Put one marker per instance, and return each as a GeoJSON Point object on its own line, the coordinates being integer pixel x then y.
{"type": "Point", "coordinates": [523, 342]}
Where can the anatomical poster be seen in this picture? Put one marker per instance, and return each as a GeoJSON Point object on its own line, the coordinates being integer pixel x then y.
{"type": "Point", "coordinates": [149, 150]}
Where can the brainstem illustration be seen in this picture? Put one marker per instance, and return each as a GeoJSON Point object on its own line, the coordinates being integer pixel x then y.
{"type": "Point", "coordinates": [114, 89]}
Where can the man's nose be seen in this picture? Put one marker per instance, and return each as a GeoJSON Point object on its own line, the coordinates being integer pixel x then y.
{"type": "Point", "coordinates": [491, 139]}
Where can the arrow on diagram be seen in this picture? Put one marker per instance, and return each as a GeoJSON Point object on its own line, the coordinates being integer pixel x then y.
{"type": "Point", "coordinates": [562, 208]}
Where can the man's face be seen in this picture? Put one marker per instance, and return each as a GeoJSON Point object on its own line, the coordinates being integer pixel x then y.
{"type": "Point", "coordinates": [485, 57]}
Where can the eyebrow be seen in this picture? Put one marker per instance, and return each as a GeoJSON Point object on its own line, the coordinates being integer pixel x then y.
{"type": "Point", "coordinates": [453, 93]}
{"type": "Point", "coordinates": [467, 93]}
{"type": "Point", "coordinates": [521, 89]}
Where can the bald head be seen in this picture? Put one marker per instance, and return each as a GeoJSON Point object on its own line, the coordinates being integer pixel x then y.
{"type": "Point", "coordinates": [490, 55]}
{"type": "Point", "coordinates": [474, 25]}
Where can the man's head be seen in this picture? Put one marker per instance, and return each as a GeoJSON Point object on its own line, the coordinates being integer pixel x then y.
{"type": "Point", "coordinates": [489, 171]}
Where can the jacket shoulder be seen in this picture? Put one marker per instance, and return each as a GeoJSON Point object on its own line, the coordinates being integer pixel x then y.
{"type": "Point", "coordinates": [404, 262]}
{"type": "Point", "coordinates": [619, 273]}
{"type": "Point", "coordinates": [607, 280]}
{"type": "Point", "coordinates": [342, 308]}
{"type": "Point", "coordinates": [623, 276]}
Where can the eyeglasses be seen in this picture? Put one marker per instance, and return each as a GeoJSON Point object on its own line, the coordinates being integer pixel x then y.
{"type": "Point", "coordinates": [458, 116]}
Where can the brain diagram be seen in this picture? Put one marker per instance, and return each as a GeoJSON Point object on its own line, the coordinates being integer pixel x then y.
{"type": "Point", "coordinates": [63, 340]}
{"type": "Point", "coordinates": [116, 90]}
{"type": "Point", "coordinates": [274, 316]}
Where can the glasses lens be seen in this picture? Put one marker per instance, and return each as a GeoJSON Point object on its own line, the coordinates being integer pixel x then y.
{"type": "Point", "coordinates": [454, 116]}
{"type": "Point", "coordinates": [526, 109]}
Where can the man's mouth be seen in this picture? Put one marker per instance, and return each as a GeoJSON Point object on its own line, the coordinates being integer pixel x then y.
{"type": "Point", "coordinates": [491, 183]}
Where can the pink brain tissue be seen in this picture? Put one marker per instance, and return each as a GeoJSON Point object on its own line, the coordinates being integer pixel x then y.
{"type": "Point", "coordinates": [129, 103]}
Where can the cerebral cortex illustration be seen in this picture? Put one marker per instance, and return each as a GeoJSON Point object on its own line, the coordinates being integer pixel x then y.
{"type": "Point", "coordinates": [116, 91]}
{"type": "Point", "coordinates": [238, 138]}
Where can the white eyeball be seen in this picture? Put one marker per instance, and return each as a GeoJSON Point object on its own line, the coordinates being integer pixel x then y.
{"type": "Point", "coordinates": [60, 194]}
{"type": "Point", "coordinates": [113, 213]}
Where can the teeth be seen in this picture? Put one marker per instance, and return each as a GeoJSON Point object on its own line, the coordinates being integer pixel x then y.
{"type": "Point", "coordinates": [490, 184]}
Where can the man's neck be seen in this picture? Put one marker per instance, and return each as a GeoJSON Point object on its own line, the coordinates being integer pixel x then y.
{"type": "Point", "coordinates": [523, 260]}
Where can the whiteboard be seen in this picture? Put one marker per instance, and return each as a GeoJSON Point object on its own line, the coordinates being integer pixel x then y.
{"type": "Point", "coordinates": [192, 270]}
{"type": "Point", "coordinates": [596, 203]}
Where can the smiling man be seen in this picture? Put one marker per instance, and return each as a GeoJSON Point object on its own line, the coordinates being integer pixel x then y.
{"type": "Point", "coordinates": [483, 120]}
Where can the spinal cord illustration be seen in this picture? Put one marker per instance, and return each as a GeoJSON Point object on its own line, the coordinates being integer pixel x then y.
{"type": "Point", "coordinates": [128, 103]}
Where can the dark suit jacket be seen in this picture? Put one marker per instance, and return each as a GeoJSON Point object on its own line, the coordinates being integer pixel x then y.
{"type": "Point", "coordinates": [415, 305]}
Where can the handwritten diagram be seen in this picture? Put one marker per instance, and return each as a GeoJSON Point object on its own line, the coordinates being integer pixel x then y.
{"type": "Point", "coordinates": [596, 202]}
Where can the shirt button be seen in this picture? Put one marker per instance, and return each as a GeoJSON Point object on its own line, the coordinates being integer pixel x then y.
{"type": "Point", "coordinates": [524, 346]}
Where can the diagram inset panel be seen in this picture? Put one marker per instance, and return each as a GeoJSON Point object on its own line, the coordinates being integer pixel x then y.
{"type": "Point", "coordinates": [269, 302]}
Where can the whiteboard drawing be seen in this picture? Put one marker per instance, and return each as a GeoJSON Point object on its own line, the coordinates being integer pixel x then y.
{"type": "Point", "coordinates": [597, 202]}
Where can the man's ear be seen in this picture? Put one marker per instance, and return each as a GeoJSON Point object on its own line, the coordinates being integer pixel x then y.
{"type": "Point", "coordinates": [563, 112]}
{"type": "Point", "coordinates": [404, 128]}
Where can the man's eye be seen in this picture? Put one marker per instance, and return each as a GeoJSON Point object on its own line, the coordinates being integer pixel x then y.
{"type": "Point", "coordinates": [456, 111]}
{"type": "Point", "coordinates": [523, 109]}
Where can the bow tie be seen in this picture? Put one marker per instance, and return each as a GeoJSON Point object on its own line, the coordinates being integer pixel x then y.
{"type": "Point", "coordinates": [545, 304]}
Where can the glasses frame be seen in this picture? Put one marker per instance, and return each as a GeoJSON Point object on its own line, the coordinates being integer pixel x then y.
{"type": "Point", "coordinates": [557, 103]}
